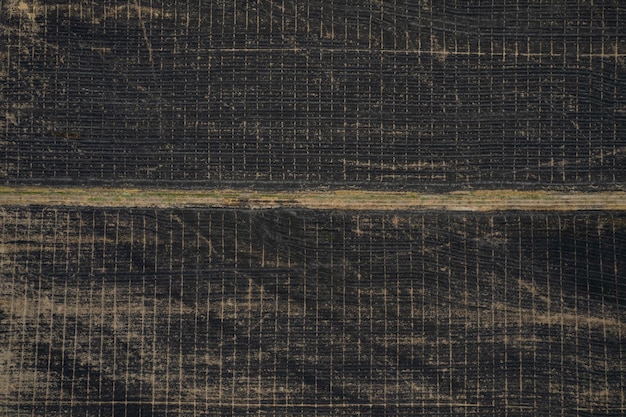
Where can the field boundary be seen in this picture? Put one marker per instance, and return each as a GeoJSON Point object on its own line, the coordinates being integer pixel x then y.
{"type": "Point", "coordinates": [483, 200]}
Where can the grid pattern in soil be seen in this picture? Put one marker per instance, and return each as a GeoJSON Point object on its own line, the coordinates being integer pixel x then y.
{"type": "Point", "coordinates": [279, 93]}
{"type": "Point", "coordinates": [298, 312]}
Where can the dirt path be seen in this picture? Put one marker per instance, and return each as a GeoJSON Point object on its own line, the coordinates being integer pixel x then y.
{"type": "Point", "coordinates": [493, 200]}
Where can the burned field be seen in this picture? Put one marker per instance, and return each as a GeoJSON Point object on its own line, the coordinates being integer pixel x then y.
{"type": "Point", "coordinates": [287, 95]}
{"type": "Point", "coordinates": [247, 207]}
{"type": "Point", "coordinates": [301, 312]}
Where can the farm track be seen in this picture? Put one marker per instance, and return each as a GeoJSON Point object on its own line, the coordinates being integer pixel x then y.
{"type": "Point", "coordinates": [482, 200]}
